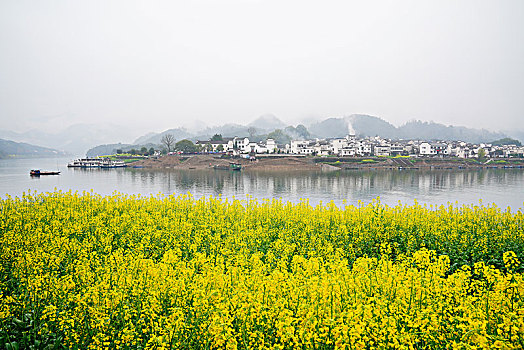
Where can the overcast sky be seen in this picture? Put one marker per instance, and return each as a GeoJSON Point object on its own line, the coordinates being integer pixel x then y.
{"type": "Point", "coordinates": [163, 64]}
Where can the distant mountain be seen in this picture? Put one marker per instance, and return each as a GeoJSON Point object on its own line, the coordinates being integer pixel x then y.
{"type": "Point", "coordinates": [226, 130]}
{"type": "Point", "coordinates": [104, 150]}
{"type": "Point", "coordinates": [432, 131]}
{"type": "Point", "coordinates": [156, 138]}
{"type": "Point", "coordinates": [267, 122]}
{"type": "Point", "coordinates": [9, 135]}
{"type": "Point", "coordinates": [300, 132]}
{"type": "Point", "coordinates": [506, 141]}
{"type": "Point", "coordinates": [356, 124]}
{"type": "Point", "coordinates": [79, 138]}
{"type": "Point", "coordinates": [11, 149]}
{"type": "Point", "coordinates": [75, 139]}
{"type": "Point", "coordinates": [331, 127]}
{"type": "Point", "coordinates": [517, 134]}
{"type": "Point", "coordinates": [365, 125]}
{"type": "Point", "coordinates": [145, 137]}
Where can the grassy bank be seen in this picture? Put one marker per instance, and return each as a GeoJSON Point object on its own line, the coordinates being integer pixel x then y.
{"type": "Point", "coordinates": [86, 271]}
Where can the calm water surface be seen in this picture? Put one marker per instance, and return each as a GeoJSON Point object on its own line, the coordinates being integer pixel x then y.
{"type": "Point", "coordinates": [503, 187]}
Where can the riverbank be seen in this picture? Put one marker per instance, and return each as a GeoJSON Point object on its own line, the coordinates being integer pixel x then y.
{"type": "Point", "coordinates": [201, 161]}
{"type": "Point", "coordinates": [301, 163]}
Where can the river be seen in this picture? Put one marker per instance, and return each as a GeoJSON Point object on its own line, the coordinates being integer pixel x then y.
{"type": "Point", "coordinates": [502, 187]}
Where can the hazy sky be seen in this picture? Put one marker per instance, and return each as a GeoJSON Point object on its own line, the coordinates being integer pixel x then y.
{"type": "Point", "coordinates": [163, 64]}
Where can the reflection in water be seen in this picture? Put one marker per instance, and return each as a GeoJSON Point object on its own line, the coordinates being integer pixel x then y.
{"type": "Point", "coordinates": [501, 186]}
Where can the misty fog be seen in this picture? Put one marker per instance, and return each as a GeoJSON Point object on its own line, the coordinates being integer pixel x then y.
{"type": "Point", "coordinates": [150, 66]}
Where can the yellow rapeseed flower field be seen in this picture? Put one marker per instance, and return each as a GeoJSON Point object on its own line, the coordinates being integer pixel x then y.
{"type": "Point", "coordinates": [83, 271]}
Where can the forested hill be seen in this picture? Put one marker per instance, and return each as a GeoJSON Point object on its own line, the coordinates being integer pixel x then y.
{"type": "Point", "coordinates": [365, 125]}
{"type": "Point", "coordinates": [11, 149]}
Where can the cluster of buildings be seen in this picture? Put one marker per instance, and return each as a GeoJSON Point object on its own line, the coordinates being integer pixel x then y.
{"type": "Point", "coordinates": [350, 146]}
{"type": "Point", "coordinates": [238, 145]}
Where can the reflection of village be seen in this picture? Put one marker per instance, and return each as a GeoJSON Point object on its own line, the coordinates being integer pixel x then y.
{"type": "Point", "coordinates": [370, 146]}
{"type": "Point", "coordinates": [339, 187]}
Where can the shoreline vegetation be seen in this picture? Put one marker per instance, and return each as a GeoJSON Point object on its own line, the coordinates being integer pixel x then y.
{"type": "Point", "coordinates": [303, 163]}
{"type": "Point", "coordinates": [85, 271]}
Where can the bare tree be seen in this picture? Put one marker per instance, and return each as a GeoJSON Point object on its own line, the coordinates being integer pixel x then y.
{"type": "Point", "coordinates": [168, 140]}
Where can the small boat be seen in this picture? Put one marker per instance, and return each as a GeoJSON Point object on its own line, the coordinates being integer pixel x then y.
{"type": "Point", "coordinates": [110, 164]}
{"type": "Point", "coordinates": [235, 166]}
{"type": "Point", "coordinates": [104, 163]}
{"type": "Point", "coordinates": [85, 163]}
{"type": "Point", "coordinates": [38, 172]}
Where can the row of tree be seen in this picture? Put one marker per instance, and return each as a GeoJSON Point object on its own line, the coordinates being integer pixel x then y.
{"type": "Point", "coordinates": [186, 146]}
{"type": "Point", "coordinates": [142, 151]}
